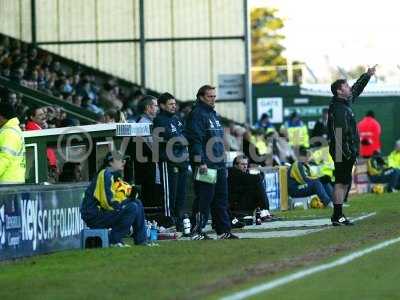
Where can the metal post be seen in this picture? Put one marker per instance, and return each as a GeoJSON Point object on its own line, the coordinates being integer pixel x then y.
{"type": "Point", "coordinates": [247, 59]}
{"type": "Point", "coordinates": [142, 45]}
{"type": "Point", "coordinates": [33, 21]}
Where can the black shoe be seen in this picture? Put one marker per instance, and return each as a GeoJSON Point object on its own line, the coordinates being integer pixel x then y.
{"type": "Point", "coordinates": [237, 224]}
{"type": "Point", "coordinates": [228, 236]}
{"type": "Point", "coordinates": [200, 236]}
{"type": "Point", "coordinates": [341, 221]}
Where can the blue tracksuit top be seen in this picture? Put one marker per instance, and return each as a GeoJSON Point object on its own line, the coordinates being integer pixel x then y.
{"type": "Point", "coordinates": [173, 129]}
{"type": "Point", "coordinates": [203, 126]}
{"type": "Point", "coordinates": [90, 206]}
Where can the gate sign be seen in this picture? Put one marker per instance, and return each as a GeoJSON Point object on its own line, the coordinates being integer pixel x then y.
{"type": "Point", "coordinates": [272, 106]}
{"type": "Point", "coordinates": [39, 219]}
{"type": "Point", "coordinates": [231, 87]}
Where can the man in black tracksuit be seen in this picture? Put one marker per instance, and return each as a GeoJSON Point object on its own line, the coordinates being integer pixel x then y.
{"type": "Point", "coordinates": [343, 139]}
{"type": "Point", "coordinates": [206, 148]}
{"type": "Point", "coordinates": [174, 157]}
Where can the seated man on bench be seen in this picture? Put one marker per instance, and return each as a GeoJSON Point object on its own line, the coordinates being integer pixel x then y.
{"type": "Point", "coordinates": [379, 172]}
{"type": "Point", "coordinates": [302, 184]}
{"type": "Point", "coordinates": [109, 202]}
{"type": "Point", "coordinates": [246, 192]}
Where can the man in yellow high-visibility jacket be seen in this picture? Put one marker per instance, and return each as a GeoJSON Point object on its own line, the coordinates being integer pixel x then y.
{"type": "Point", "coordinates": [12, 147]}
{"type": "Point", "coordinates": [394, 157]}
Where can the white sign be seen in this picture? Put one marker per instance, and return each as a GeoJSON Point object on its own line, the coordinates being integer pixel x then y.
{"type": "Point", "coordinates": [271, 106]}
{"type": "Point", "coordinates": [230, 86]}
{"type": "Point", "coordinates": [132, 129]}
{"type": "Point", "coordinates": [300, 101]}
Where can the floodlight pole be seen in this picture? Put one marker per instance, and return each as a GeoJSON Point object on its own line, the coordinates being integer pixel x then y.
{"type": "Point", "coordinates": [33, 21]}
{"type": "Point", "coordinates": [247, 59]}
{"type": "Point", "coordinates": [142, 45]}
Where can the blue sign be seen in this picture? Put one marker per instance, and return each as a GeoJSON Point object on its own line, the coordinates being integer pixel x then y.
{"type": "Point", "coordinates": [272, 187]}
{"type": "Point", "coordinates": [39, 219]}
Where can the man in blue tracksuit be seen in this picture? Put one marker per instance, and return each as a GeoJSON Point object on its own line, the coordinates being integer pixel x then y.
{"type": "Point", "coordinates": [173, 155]}
{"type": "Point", "coordinates": [206, 148]}
{"type": "Point", "coordinates": [109, 202]}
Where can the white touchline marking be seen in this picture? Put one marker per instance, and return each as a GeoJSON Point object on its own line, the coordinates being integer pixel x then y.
{"type": "Point", "coordinates": [301, 274]}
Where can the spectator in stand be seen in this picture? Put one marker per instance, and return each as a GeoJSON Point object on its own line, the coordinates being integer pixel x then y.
{"type": "Point", "coordinates": [111, 116]}
{"type": "Point", "coordinates": [77, 100]}
{"type": "Point", "coordinates": [130, 108]}
{"type": "Point", "coordinates": [394, 157]}
{"type": "Point", "coordinates": [380, 172]}
{"type": "Point", "coordinates": [369, 130]}
{"type": "Point", "coordinates": [321, 126]}
{"type": "Point", "coordinates": [37, 121]}
{"type": "Point", "coordinates": [246, 192]}
{"type": "Point", "coordinates": [71, 172]}
{"type": "Point", "coordinates": [264, 124]}
{"type": "Point", "coordinates": [37, 69]}
{"type": "Point", "coordinates": [87, 103]}
{"type": "Point", "coordinates": [109, 97]}
{"type": "Point", "coordinates": [302, 184]}
{"type": "Point", "coordinates": [12, 146]}
{"type": "Point", "coordinates": [110, 202]}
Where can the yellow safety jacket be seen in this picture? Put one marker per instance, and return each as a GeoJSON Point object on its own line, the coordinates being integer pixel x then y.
{"type": "Point", "coordinates": [297, 135]}
{"type": "Point", "coordinates": [394, 159]}
{"type": "Point", "coordinates": [324, 161]}
{"type": "Point", "coordinates": [12, 153]}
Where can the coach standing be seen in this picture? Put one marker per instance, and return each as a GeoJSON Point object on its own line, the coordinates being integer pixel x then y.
{"type": "Point", "coordinates": [206, 148]}
{"type": "Point", "coordinates": [173, 158]}
{"type": "Point", "coordinates": [343, 139]}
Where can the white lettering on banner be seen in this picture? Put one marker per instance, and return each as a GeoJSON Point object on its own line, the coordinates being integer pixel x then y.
{"type": "Point", "coordinates": [13, 241]}
{"type": "Point", "coordinates": [2, 226]}
{"type": "Point", "coordinates": [40, 231]}
{"type": "Point", "coordinates": [46, 224]}
{"type": "Point", "coordinates": [44, 220]}
{"type": "Point", "coordinates": [13, 222]}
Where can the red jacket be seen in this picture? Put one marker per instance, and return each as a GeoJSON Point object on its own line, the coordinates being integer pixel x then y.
{"type": "Point", "coordinates": [370, 136]}
{"type": "Point", "coordinates": [51, 154]}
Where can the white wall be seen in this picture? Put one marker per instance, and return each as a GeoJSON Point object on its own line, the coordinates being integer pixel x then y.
{"type": "Point", "coordinates": [178, 67]}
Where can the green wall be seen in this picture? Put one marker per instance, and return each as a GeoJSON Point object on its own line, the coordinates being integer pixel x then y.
{"type": "Point", "coordinates": [386, 108]}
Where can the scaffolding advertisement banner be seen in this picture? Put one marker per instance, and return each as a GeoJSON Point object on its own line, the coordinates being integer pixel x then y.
{"type": "Point", "coordinates": [39, 219]}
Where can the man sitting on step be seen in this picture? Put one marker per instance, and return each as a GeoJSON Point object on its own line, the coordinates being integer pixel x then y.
{"type": "Point", "coordinates": [246, 191]}
{"type": "Point", "coordinates": [302, 184]}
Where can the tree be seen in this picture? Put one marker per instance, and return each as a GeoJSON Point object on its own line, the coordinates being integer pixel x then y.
{"type": "Point", "coordinates": [267, 48]}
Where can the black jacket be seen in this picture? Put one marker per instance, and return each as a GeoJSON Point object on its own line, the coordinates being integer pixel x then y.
{"type": "Point", "coordinates": [173, 129]}
{"type": "Point", "coordinates": [246, 191]}
{"type": "Point", "coordinates": [202, 126]}
{"type": "Point", "coordinates": [342, 125]}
